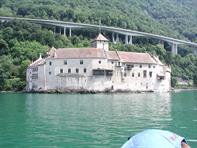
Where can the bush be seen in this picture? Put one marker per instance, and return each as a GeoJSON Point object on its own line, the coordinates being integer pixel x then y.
{"type": "Point", "coordinates": [13, 84]}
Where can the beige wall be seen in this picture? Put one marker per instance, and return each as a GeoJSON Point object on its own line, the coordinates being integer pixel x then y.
{"type": "Point", "coordinates": [49, 76]}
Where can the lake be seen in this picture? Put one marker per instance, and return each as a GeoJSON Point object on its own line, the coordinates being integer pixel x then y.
{"type": "Point", "coordinates": [93, 120]}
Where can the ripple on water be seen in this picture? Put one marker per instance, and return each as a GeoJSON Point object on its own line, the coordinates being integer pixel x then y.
{"type": "Point", "coordinates": [92, 121]}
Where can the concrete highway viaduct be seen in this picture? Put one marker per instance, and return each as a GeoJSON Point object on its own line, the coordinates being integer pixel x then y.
{"type": "Point", "coordinates": [64, 26]}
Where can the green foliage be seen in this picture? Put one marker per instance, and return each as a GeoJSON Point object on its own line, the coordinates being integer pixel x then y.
{"type": "Point", "coordinates": [176, 18]}
{"type": "Point", "coordinates": [13, 84]}
{"type": "Point", "coordinates": [21, 43]}
{"type": "Point", "coordinates": [195, 79]}
{"type": "Point", "coordinates": [173, 81]}
{"type": "Point", "coordinates": [3, 47]}
{"type": "Point", "coordinates": [27, 50]}
{"type": "Point", "coordinates": [6, 69]}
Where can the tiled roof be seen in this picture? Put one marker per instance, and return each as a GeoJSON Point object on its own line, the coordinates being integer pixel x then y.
{"type": "Point", "coordinates": [100, 37]}
{"type": "Point", "coordinates": [72, 53]}
{"type": "Point", "coordinates": [37, 62]}
{"type": "Point", "coordinates": [77, 53]}
{"type": "Point", "coordinates": [135, 57]}
{"type": "Point", "coordinates": [112, 55]}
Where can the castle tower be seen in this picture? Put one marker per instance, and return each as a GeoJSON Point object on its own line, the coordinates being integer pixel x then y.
{"type": "Point", "coordinates": [101, 42]}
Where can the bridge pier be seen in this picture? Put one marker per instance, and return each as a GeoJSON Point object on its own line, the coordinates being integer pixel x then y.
{"type": "Point", "coordinates": [70, 32]}
{"type": "Point", "coordinates": [126, 39]}
{"type": "Point", "coordinates": [117, 37]}
{"type": "Point", "coordinates": [113, 38]}
{"type": "Point", "coordinates": [174, 49]}
{"type": "Point", "coordinates": [195, 52]}
{"type": "Point", "coordinates": [130, 40]}
{"type": "Point", "coordinates": [64, 31]}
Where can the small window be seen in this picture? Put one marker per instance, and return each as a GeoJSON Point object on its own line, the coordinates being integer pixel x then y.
{"type": "Point", "coordinates": [49, 73]}
{"type": "Point", "coordinates": [129, 67]}
{"type": "Point", "coordinates": [34, 76]}
{"type": "Point", "coordinates": [50, 63]}
{"type": "Point", "coordinates": [150, 74]}
{"type": "Point", "coordinates": [77, 70]}
{"type": "Point", "coordinates": [144, 73]}
{"type": "Point", "coordinates": [118, 63]}
{"type": "Point", "coordinates": [138, 74]}
{"type": "Point", "coordinates": [153, 66]}
{"type": "Point", "coordinates": [81, 61]}
{"type": "Point", "coordinates": [99, 62]}
{"type": "Point", "coordinates": [133, 75]}
{"type": "Point", "coordinates": [84, 70]}
{"type": "Point", "coordinates": [35, 69]}
{"type": "Point", "coordinates": [69, 70]}
{"type": "Point", "coordinates": [61, 71]}
{"type": "Point", "coordinates": [149, 66]}
{"type": "Point", "coordinates": [65, 62]}
{"type": "Point", "coordinates": [140, 66]}
{"type": "Point", "coordinates": [112, 62]}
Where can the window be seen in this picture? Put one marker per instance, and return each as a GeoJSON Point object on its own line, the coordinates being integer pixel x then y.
{"type": "Point", "coordinates": [149, 66]}
{"type": "Point", "coordinates": [84, 70]}
{"type": "Point", "coordinates": [61, 70]}
{"type": "Point", "coordinates": [133, 75]}
{"type": "Point", "coordinates": [98, 72]}
{"type": "Point", "coordinates": [138, 74]}
{"type": "Point", "coordinates": [69, 70]}
{"type": "Point", "coordinates": [129, 67]}
{"type": "Point", "coordinates": [109, 72]}
{"type": "Point", "coordinates": [99, 62]}
{"type": "Point", "coordinates": [140, 66]}
{"type": "Point", "coordinates": [81, 61]}
{"type": "Point", "coordinates": [118, 64]}
{"type": "Point", "coordinates": [150, 74]}
{"type": "Point", "coordinates": [65, 62]}
{"type": "Point", "coordinates": [49, 73]}
{"type": "Point", "coordinates": [144, 73]}
{"type": "Point", "coordinates": [35, 69]}
{"type": "Point", "coordinates": [153, 66]}
{"type": "Point", "coordinates": [112, 62]}
{"type": "Point", "coordinates": [77, 70]}
{"type": "Point", "coordinates": [34, 76]}
{"type": "Point", "coordinates": [50, 63]}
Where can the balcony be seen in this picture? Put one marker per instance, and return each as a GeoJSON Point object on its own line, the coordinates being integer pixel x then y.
{"type": "Point", "coordinates": [102, 72]}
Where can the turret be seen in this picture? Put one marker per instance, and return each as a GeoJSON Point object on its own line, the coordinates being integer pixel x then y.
{"type": "Point", "coordinates": [52, 53]}
{"type": "Point", "coordinates": [101, 42]}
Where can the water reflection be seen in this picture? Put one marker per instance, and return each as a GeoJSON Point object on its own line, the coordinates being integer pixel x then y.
{"type": "Point", "coordinates": [95, 120]}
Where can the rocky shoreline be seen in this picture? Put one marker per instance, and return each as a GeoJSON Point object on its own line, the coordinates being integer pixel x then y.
{"type": "Point", "coordinates": [83, 91]}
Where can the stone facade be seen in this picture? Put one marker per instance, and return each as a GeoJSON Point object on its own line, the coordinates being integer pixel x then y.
{"type": "Point", "coordinates": [97, 69]}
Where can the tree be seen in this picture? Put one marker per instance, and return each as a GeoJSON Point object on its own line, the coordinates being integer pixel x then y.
{"type": "Point", "coordinates": [28, 50]}
{"type": "Point", "coordinates": [6, 68]}
{"type": "Point", "coordinates": [3, 47]}
{"type": "Point", "coordinates": [195, 78]}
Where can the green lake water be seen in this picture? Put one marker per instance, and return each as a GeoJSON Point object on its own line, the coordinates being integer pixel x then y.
{"type": "Point", "coordinates": [93, 120]}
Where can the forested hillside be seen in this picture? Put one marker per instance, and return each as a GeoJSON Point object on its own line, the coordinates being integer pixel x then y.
{"type": "Point", "coordinates": [21, 42]}
{"type": "Point", "coordinates": [176, 18]}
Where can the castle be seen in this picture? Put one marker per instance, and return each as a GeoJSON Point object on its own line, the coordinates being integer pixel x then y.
{"type": "Point", "coordinates": [96, 69]}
